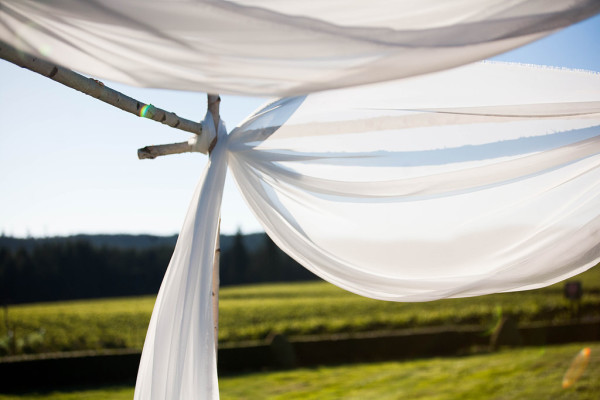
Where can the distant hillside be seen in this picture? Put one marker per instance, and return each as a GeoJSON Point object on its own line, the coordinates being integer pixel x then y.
{"type": "Point", "coordinates": [122, 241]}
{"type": "Point", "coordinates": [93, 266]}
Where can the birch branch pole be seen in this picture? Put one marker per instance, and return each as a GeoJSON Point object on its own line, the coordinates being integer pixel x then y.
{"type": "Point", "coordinates": [110, 96]}
{"type": "Point", "coordinates": [151, 152]}
{"type": "Point", "coordinates": [98, 90]}
{"type": "Point", "coordinates": [214, 102]}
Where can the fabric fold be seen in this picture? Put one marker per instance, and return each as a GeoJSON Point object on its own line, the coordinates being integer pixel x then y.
{"type": "Point", "coordinates": [179, 360]}
{"type": "Point", "coordinates": [380, 191]}
{"type": "Point", "coordinates": [275, 48]}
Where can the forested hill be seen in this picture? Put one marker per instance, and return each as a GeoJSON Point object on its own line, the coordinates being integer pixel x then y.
{"type": "Point", "coordinates": [120, 241]}
{"type": "Point", "coordinates": [92, 266]}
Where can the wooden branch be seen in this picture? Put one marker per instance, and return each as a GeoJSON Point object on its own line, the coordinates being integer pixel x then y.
{"type": "Point", "coordinates": [213, 102]}
{"type": "Point", "coordinates": [213, 105]}
{"type": "Point", "coordinates": [151, 152]}
{"type": "Point", "coordinates": [215, 288]}
{"type": "Point", "coordinates": [96, 89]}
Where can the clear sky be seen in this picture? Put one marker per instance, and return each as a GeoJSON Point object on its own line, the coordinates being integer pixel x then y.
{"type": "Point", "coordinates": [68, 163]}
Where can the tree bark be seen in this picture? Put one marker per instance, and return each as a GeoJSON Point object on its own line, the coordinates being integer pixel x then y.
{"type": "Point", "coordinates": [151, 152]}
{"type": "Point", "coordinates": [215, 288]}
{"type": "Point", "coordinates": [214, 101]}
{"type": "Point", "coordinates": [96, 89]}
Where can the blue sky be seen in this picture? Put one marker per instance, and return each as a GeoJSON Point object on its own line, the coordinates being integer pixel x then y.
{"type": "Point", "coordinates": [68, 162]}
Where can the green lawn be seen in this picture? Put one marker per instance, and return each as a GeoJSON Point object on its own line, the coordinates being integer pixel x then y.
{"type": "Point", "coordinates": [252, 312]}
{"type": "Point", "coordinates": [530, 373]}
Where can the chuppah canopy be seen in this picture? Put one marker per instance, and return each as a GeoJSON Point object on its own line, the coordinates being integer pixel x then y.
{"type": "Point", "coordinates": [476, 180]}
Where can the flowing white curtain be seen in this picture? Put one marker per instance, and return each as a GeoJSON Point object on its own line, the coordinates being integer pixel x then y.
{"type": "Point", "coordinates": [179, 358]}
{"type": "Point", "coordinates": [477, 180]}
{"type": "Point", "coordinates": [279, 48]}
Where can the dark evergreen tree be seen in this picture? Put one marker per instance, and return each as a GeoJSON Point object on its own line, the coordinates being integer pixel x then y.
{"type": "Point", "coordinates": [74, 268]}
{"type": "Point", "coordinates": [234, 263]}
{"type": "Point", "coordinates": [267, 262]}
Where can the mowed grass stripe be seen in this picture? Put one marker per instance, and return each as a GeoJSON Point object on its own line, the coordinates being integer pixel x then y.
{"type": "Point", "coordinates": [519, 374]}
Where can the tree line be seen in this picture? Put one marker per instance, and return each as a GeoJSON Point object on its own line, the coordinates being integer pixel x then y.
{"type": "Point", "coordinates": [265, 263]}
{"type": "Point", "coordinates": [78, 269]}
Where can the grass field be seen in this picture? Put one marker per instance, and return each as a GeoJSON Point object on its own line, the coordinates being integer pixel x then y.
{"type": "Point", "coordinates": [252, 312]}
{"type": "Point", "coordinates": [531, 373]}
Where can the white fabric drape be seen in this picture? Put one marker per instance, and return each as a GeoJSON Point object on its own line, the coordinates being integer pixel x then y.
{"type": "Point", "coordinates": [479, 180]}
{"type": "Point", "coordinates": [179, 360]}
{"type": "Point", "coordinates": [280, 48]}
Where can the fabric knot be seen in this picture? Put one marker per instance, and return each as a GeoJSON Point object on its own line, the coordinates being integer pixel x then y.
{"type": "Point", "coordinates": [206, 141]}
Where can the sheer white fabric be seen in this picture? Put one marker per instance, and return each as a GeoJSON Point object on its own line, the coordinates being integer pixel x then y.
{"type": "Point", "coordinates": [283, 47]}
{"type": "Point", "coordinates": [179, 360]}
{"type": "Point", "coordinates": [479, 180]}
